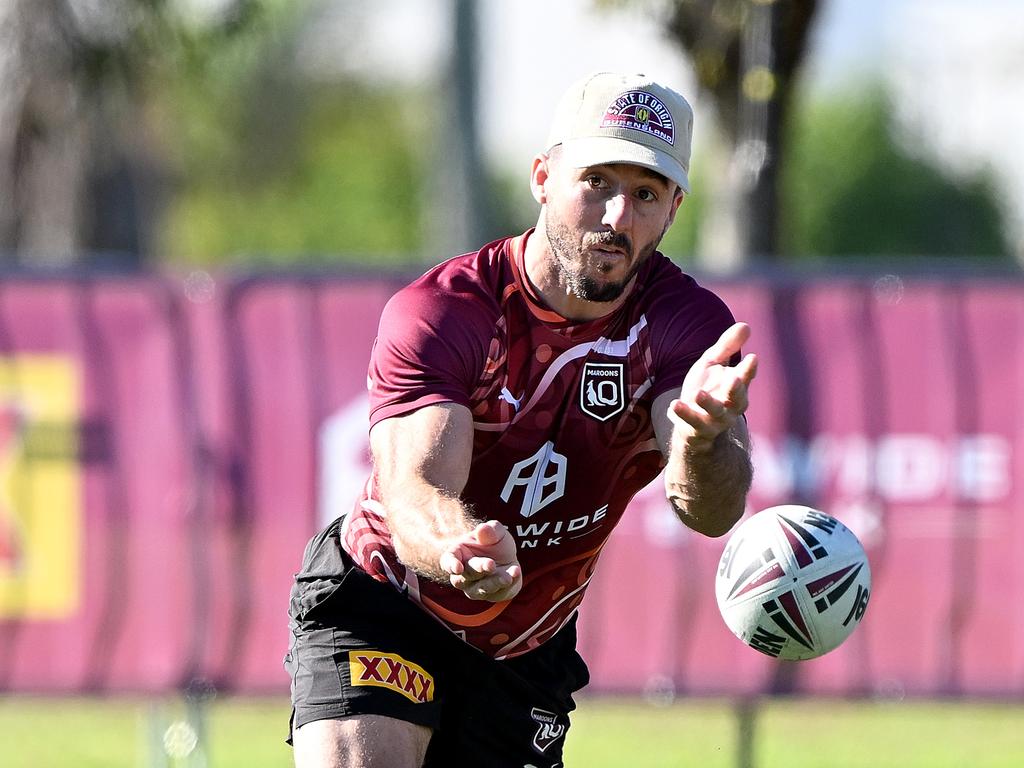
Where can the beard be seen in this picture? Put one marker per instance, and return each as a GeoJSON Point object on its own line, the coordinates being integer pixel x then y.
{"type": "Point", "coordinates": [570, 260]}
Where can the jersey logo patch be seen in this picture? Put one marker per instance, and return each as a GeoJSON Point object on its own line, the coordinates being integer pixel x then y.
{"type": "Point", "coordinates": [389, 670]}
{"type": "Point", "coordinates": [602, 390]}
{"type": "Point", "coordinates": [551, 729]}
{"type": "Point", "coordinates": [542, 477]}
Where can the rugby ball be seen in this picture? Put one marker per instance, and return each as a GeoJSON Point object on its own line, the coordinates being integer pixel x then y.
{"type": "Point", "coordinates": [793, 582]}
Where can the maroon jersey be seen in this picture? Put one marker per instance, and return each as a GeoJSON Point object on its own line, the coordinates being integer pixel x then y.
{"type": "Point", "coordinates": [563, 436]}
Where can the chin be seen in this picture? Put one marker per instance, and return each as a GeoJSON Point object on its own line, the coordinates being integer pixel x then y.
{"type": "Point", "coordinates": [592, 290]}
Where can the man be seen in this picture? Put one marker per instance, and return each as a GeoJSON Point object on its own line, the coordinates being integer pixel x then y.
{"type": "Point", "coordinates": [520, 396]}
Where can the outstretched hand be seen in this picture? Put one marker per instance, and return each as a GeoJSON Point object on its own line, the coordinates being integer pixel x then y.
{"type": "Point", "coordinates": [484, 564]}
{"type": "Point", "coordinates": [714, 394]}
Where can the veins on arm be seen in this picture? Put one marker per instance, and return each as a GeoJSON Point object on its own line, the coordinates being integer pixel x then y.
{"type": "Point", "coordinates": [421, 463]}
{"type": "Point", "coordinates": [707, 488]}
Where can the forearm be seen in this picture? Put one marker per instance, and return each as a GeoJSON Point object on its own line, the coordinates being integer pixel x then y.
{"type": "Point", "coordinates": [708, 486]}
{"type": "Point", "coordinates": [423, 522]}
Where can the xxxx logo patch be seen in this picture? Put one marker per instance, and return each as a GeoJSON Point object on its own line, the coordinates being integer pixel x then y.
{"type": "Point", "coordinates": [389, 670]}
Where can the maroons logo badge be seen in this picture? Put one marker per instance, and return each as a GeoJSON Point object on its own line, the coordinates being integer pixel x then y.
{"type": "Point", "coordinates": [551, 728]}
{"type": "Point", "coordinates": [603, 390]}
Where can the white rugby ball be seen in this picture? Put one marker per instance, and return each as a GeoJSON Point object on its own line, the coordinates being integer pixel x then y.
{"type": "Point", "coordinates": [793, 582]}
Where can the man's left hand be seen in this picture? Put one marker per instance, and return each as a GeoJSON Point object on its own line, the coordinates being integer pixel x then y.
{"type": "Point", "coordinates": [714, 394]}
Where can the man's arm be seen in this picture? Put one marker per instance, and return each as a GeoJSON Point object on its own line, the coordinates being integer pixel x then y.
{"type": "Point", "coordinates": [421, 461]}
{"type": "Point", "coordinates": [703, 435]}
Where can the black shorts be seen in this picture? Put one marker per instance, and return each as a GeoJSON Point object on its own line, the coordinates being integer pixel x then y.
{"type": "Point", "coordinates": [361, 647]}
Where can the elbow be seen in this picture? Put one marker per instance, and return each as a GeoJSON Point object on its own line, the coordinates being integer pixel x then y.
{"type": "Point", "coordinates": [713, 523]}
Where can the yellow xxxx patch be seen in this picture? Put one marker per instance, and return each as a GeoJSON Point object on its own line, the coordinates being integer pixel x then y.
{"type": "Point", "coordinates": [389, 670]}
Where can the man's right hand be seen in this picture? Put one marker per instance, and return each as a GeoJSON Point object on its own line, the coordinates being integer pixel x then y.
{"type": "Point", "coordinates": [483, 563]}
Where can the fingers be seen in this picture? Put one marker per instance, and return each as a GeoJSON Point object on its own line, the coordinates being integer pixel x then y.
{"type": "Point", "coordinates": [695, 423]}
{"type": "Point", "coordinates": [485, 584]}
{"type": "Point", "coordinates": [451, 563]}
{"type": "Point", "coordinates": [725, 399]}
{"type": "Point", "coordinates": [747, 369]}
{"type": "Point", "coordinates": [490, 533]}
{"type": "Point", "coordinates": [479, 549]}
{"type": "Point", "coordinates": [483, 563]}
{"type": "Point", "coordinates": [503, 585]}
{"type": "Point", "coordinates": [728, 344]}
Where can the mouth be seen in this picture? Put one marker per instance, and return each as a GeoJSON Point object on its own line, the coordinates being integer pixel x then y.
{"type": "Point", "coordinates": [609, 252]}
{"type": "Point", "coordinates": [611, 247]}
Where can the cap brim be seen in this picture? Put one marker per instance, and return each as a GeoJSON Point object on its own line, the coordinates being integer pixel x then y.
{"type": "Point", "coordinates": [603, 150]}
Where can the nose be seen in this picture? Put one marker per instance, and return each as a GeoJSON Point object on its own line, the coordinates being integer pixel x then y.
{"type": "Point", "coordinates": [618, 212]}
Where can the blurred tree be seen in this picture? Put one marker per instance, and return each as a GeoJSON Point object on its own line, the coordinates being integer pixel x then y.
{"type": "Point", "coordinates": [346, 167]}
{"type": "Point", "coordinates": [79, 167]}
{"type": "Point", "coordinates": [851, 188]}
{"type": "Point", "coordinates": [746, 55]}
{"type": "Point", "coordinates": [335, 176]}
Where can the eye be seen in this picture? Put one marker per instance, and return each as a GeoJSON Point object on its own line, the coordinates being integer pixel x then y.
{"type": "Point", "coordinates": [594, 181]}
{"type": "Point", "coordinates": [647, 195]}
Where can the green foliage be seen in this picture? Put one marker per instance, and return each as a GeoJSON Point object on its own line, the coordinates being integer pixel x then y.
{"type": "Point", "coordinates": [680, 242]}
{"type": "Point", "coordinates": [849, 189]}
{"type": "Point", "coordinates": [339, 177]}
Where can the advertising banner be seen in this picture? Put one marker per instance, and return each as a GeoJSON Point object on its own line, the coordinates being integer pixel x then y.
{"type": "Point", "coordinates": [167, 448]}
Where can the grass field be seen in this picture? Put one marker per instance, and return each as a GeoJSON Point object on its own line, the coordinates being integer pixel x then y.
{"type": "Point", "coordinates": [612, 733]}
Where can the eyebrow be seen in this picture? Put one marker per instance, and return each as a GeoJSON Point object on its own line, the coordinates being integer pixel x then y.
{"type": "Point", "coordinates": [646, 172]}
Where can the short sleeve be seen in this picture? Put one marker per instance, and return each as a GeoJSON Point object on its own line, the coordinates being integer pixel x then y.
{"type": "Point", "coordinates": [690, 322]}
{"type": "Point", "coordinates": [430, 348]}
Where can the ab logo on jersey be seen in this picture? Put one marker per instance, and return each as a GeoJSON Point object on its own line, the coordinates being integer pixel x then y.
{"type": "Point", "coordinates": [542, 477]}
{"type": "Point", "coordinates": [602, 390]}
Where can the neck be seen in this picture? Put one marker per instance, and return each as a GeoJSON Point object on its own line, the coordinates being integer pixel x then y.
{"type": "Point", "coordinates": [540, 266]}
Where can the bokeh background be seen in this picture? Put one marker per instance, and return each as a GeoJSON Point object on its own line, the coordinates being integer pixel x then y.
{"type": "Point", "coordinates": [204, 205]}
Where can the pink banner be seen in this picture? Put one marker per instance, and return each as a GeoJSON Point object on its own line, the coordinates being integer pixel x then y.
{"type": "Point", "coordinates": [166, 450]}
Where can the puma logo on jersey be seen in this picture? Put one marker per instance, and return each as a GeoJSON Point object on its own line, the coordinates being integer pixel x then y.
{"type": "Point", "coordinates": [509, 398]}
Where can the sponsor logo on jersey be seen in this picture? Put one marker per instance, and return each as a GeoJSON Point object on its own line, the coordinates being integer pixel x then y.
{"type": "Point", "coordinates": [542, 476]}
{"type": "Point", "coordinates": [641, 111]}
{"type": "Point", "coordinates": [602, 390]}
{"type": "Point", "coordinates": [551, 727]}
{"type": "Point", "coordinates": [550, 533]}
{"type": "Point", "coordinates": [389, 670]}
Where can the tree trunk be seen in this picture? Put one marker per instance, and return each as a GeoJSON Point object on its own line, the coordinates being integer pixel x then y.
{"type": "Point", "coordinates": [43, 134]}
{"type": "Point", "coordinates": [746, 54]}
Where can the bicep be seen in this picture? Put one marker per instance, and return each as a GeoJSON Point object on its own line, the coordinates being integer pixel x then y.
{"type": "Point", "coordinates": [431, 445]}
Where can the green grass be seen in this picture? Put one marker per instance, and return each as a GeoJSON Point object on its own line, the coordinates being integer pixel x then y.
{"type": "Point", "coordinates": [612, 733]}
{"type": "Point", "coordinates": [802, 733]}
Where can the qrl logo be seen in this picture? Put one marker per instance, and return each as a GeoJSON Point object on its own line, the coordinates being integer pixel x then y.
{"type": "Point", "coordinates": [602, 390]}
{"type": "Point", "coordinates": [543, 477]}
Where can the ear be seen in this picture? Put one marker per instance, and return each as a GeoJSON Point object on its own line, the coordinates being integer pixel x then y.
{"type": "Point", "coordinates": [677, 200]}
{"type": "Point", "coordinates": [540, 174]}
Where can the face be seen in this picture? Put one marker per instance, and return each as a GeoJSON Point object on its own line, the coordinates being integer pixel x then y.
{"type": "Point", "coordinates": [603, 222]}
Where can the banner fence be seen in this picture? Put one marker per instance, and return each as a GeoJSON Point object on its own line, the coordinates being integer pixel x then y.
{"type": "Point", "coordinates": [167, 447]}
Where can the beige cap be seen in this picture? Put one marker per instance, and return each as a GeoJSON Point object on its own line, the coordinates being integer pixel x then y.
{"type": "Point", "coordinates": [614, 118]}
